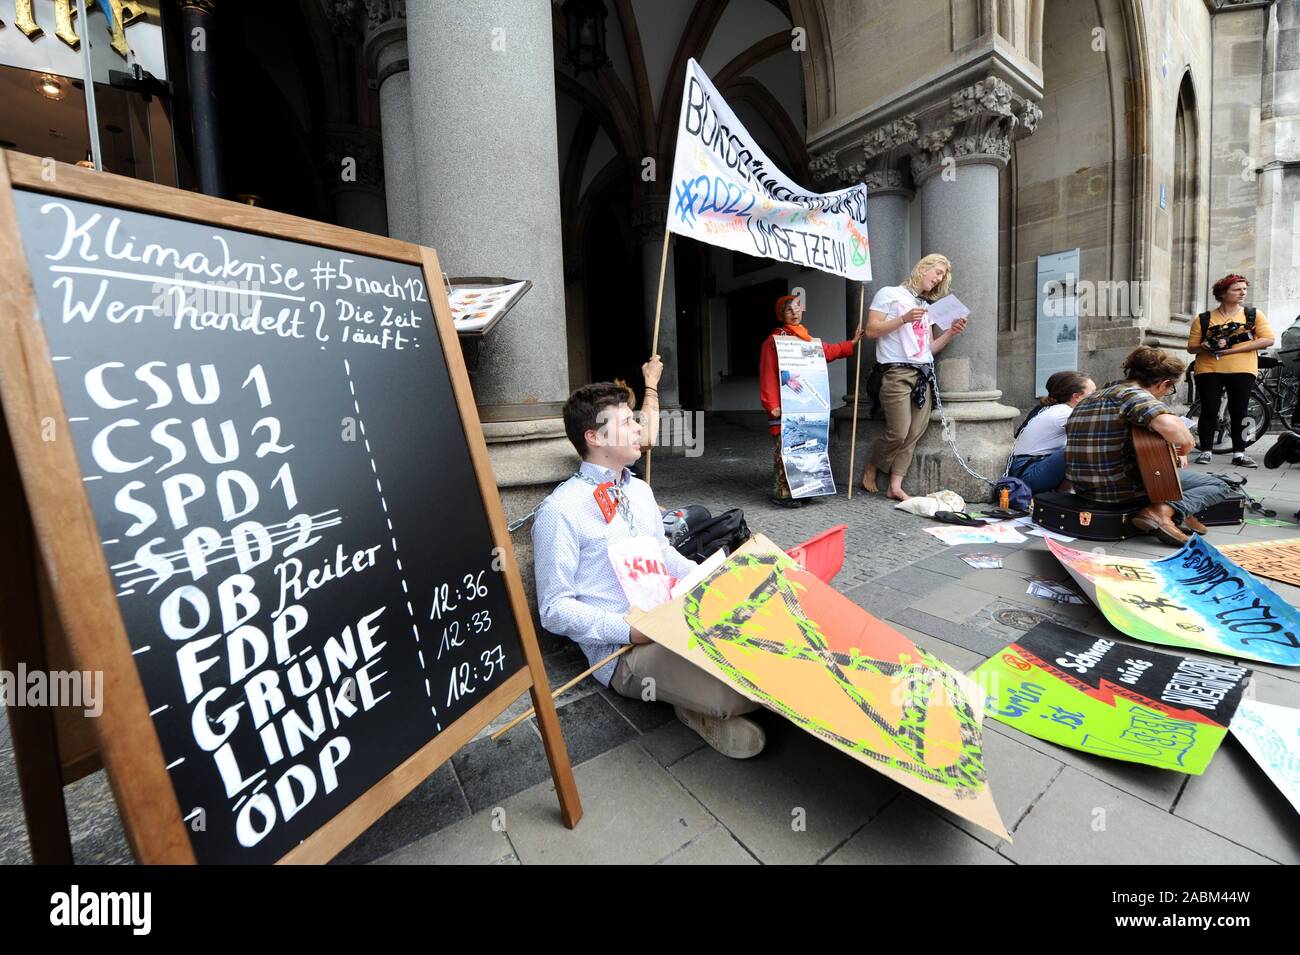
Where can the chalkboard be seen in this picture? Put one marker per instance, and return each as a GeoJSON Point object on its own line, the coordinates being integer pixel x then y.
{"type": "Point", "coordinates": [273, 444]}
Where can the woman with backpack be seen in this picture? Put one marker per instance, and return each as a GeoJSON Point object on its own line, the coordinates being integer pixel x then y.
{"type": "Point", "coordinates": [1038, 457]}
{"type": "Point", "coordinates": [1226, 343]}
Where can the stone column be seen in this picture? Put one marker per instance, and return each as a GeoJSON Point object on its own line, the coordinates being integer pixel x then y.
{"type": "Point", "coordinates": [386, 52]}
{"type": "Point", "coordinates": [200, 68]}
{"type": "Point", "coordinates": [649, 215]}
{"type": "Point", "coordinates": [487, 174]}
{"type": "Point", "coordinates": [884, 170]}
{"type": "Point", "coordinates": [956, 170]}
{"type": "Point", "coordinates": [354, 165]}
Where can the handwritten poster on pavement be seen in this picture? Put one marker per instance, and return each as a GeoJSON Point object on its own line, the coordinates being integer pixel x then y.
{"type": "Point", "coordinates": [786, 640]}
{"type": "Point", "coordinates": [1271, 734]}
{"type": "Point", "coordinates": [727, 192]}
{"type": "Point", "coordinates": [1113, 699]}
{"type": "Point", "coordinates": [805, 416]}
{"type": "Point", "coordinates": [1194, 598]}
{"type": "Point", "coordinates": [1276, 560]}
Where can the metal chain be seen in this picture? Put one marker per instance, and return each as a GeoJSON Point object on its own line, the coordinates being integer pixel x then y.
{"type": "Point", "coordinates": [948, 434]}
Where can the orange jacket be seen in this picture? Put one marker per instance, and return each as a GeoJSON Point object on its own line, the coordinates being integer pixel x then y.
{"type": "Point", "coordinates": [769, 372]}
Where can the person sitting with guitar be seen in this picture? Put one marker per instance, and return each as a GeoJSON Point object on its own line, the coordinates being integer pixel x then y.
{"type": "Point", "coordinates": [1102, 463]}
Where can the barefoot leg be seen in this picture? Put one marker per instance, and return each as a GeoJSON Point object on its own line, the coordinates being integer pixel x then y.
{"type": "Point", "coordinates": [869, 479]}
{"type": "Point", "coordinates": [896, 491]}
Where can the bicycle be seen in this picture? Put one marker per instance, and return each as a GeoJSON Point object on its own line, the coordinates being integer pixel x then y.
{"type": "Point", "coordinates": [1275, 392]}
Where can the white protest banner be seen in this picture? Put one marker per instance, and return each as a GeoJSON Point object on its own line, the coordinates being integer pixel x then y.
{"type": "Point", "coordinates": [725, 191]}
{"type": "Point", "coordinates": [1271, 734]}
{"type": "Point", "coordinates": [805, 416]}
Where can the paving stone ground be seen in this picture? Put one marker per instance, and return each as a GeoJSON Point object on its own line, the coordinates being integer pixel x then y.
{"type": "Point", "coordinates": [653, 793]}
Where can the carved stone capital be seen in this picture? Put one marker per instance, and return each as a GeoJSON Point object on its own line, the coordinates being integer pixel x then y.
{"type": "Point", "coordinates": [649, 216]}
{"type": "Point", "coordinates": [353, 158]}
{"type": "Point", "coordinates": [385, 33]}
{"type": "Point", "coordinates": [976, 125]}
{"type": "Point", "coordinates": [887, 178]}
{"type": "Point", "coordinates": [379, 12]}
{"type": "Point", "coordinates": [876, 160]}
{"type": "Point", "coordinates": [825, 167]}
{"type": "Point", "coordinates": [890, 138]}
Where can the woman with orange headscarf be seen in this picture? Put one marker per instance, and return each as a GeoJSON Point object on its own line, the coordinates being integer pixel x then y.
{"type": "Point", "coordinates": [789, 321]}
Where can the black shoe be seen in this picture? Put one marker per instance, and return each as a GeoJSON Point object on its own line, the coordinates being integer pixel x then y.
{"type": "Point", "coordinates": [785, 502]}
{"type": "Point", "coordinates": [1285, 450]}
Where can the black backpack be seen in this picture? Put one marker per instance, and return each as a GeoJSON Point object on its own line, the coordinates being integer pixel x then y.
{"type": "Point", "coordinates": [726, 531]}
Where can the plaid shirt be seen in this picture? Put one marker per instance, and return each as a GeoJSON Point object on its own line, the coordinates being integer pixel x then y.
{"type": "Point", "coordinates": [1099, 455]}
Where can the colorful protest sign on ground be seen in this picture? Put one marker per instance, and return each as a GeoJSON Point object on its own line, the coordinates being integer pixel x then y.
{"type": "Point", "coordinates": [786, 640]}
{"type": "Point", "coordinates": [805, 416]}
{"type": "Point", "coordinates": [1113, 699]}
{"type": "Point", "coordinates": [1276, 560]}
{"type": "Point", "coordinates": [1271, 734]}
{"type": "Point", "coordinates": [1194, 598]}
{"type": "Point", "coordinates": [727, 192]}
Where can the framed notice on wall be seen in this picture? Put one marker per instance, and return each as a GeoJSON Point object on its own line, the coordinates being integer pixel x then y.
{"type": "Point", "coordinates": [1058, 316]}
{"type": "Point", "coordinates": [256, 480]}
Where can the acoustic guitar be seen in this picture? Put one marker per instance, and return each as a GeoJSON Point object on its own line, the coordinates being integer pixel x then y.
{"type": "Point", "coordinates": [1158, 463]}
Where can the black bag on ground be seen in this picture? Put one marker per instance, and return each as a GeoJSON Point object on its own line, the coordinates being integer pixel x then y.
{"type": "Point", "coordinates": [726, 531]}
{"type": "Point", "coordinates": [679, 522]}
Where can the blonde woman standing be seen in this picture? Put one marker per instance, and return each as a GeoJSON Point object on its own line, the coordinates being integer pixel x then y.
{"type": "Point", "coordinates": [905, 350]}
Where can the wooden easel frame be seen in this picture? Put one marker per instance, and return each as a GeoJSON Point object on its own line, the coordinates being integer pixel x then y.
{"type": "Point", "coordinates": [66, 542]}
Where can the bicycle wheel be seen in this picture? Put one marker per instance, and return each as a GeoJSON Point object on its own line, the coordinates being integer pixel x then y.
{"type": "Point", "coordinates": [1288, 390]}
{"type": "Point", "coordinates": [1259, 418]}
{"type": "Point", "coordinates": [1255, 424]}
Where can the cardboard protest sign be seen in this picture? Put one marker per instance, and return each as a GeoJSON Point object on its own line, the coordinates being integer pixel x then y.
{"type": "Point", "coordinates": [786, 640]}
{"type": "Point", "coordinates": [725, 191]}
{"type": "Point", "coordinates": [805, 416]}
{"type": "Point", "coordinates": [1194, 598]}
{"type": "Point", "coordinates": [1113, 699]}
{"type": "Point", "coordinates": [1271, 734]}
{"type": "Point", "coordinates": [1276, 560]}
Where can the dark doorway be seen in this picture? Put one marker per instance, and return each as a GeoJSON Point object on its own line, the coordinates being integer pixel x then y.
{"type": "Point", "coordinates": [691, 262]}
{"type": "Point", "coordinates": [615, 323]}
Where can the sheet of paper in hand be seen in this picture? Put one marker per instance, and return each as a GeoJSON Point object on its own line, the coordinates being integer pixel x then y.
{"type": "Point", "coordinates": [1194, 598]}
{"type": "Point", "coordinates": [1112, 699]}
{"type": "Point", "coordinates": [946, 311]}
{"type": "Point", "coordinates": [786, 640]}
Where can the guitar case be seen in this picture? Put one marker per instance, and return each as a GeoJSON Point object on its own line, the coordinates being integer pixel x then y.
{"type": "Point", "coordinates": [1071, 515]}
{"type": "Point", "coordinates": [1229, 513]}
{"type": "Point", "coordinates": [1074, 516]}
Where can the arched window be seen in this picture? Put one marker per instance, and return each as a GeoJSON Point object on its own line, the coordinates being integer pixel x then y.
{"type": "Point", "coordinates": [1184, 210]}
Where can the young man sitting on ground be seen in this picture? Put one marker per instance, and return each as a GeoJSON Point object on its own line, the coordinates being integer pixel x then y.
{"type": "Point", "coordinates": [1099, 455]}
{"type": "Point", "coordinates": [593, 526]}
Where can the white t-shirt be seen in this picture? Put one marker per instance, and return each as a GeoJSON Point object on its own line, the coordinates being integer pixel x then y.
{"type": "Point", "coordinates": [1045, 433]}
{"type": "Point", "coordinates": [911, 342]}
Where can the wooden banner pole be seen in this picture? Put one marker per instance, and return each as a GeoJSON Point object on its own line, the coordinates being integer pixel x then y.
{"type": "Point", "coordinates": [577, 679]}
{"type": "Point", "coordinates": [857, 379]}
{"type": "Point", "coordinates": [654, 341]}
